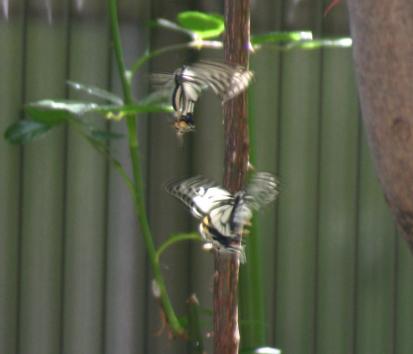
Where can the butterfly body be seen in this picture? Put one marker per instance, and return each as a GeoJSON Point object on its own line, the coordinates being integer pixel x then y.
{"type": "Point", "coordinates": [224, 217]}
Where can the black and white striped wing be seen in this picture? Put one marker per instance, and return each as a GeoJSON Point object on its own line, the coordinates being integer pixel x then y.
{"type": "Point", "coordinates": [187, 83]}
{"type": "Point", "coordinates": [182, 89]}
{"type": "Point", "coordinates": [221, 217]}
{"type": "Point", "coordinates": [199, 194]}
{"type": "Point", "coordinates": [261, 190]}
{"type": "Point", "coordinates": [226, 81]}
{"type": "Point", "coordinates": [191, 81]}
{"type": "Point", "coordinates": [185, 77]}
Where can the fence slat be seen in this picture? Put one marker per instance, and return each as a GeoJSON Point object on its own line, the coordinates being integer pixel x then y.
{"type": "Point", "coordinates": [376, 241]}
{"type": "Point", "coordinates": [337, 206]}
{"type": "Point", "coordinates": [404, 296]}
{"type": "Point", "coordinates": [167, 159]}
{"type": "Point", "coordinates": [297, 217]}
{"type": "Point", "coordinates": [43, 186]}
{"type": "Point", "coordinates": [11, 49]}
{"type": "Point", "coordinates": [126, 285]}
{"type": "Point", "coordinates": [85, 231]}
{"type": "Point", "coordinates": [264, 106]}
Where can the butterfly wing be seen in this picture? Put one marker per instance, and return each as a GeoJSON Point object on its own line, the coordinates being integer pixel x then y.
{"type": "Point", "coordinates": [226, 81]}
{"type": "Point", "coordinates": [215, 206]}
{"type": "Point", "coordinates": [199, 194]}
{"type": "Point", "coordinates": [192, 82]}
{"type": "Point", "coordinates": [162, 87]}
{"type": "Point", "coordinates": [187, 83]}
{"type": "Point", "coordinates": [182, 88]}
{"type": "Point", "coordinates": [220, 218]}
{"type": "Point", "coordinates": [261, 190]}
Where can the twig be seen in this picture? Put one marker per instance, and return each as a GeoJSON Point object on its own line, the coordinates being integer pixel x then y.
{"type": "Point", "coordinates": [236, 46]}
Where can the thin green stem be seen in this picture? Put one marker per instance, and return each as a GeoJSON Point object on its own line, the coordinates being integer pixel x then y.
{"type": "Point", "coordinates": [252, 306]}
{"type": "Point", "coordinates": [175, 239]}
{"type": "Point", "coordinates": [138, 195]}
{"type": "Point", "coordinates": [194, 328]}
{"type": "Point", "coordinates": [195, 44]}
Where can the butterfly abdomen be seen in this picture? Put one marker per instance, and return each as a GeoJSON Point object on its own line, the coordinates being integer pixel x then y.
{"type": "Point", "coordinates": [219, 240]}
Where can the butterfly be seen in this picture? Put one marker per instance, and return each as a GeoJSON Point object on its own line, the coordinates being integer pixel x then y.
{"type": "Point", "coordinates": [224, 216]}
{"type": "Point", "coordinates": [189, 81]}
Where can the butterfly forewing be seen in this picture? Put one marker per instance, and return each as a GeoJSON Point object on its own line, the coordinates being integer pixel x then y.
{"type": "Point", "coordinates": [191, 91]}
{"type": "Point", "coordinates": [199, 194]}
{"type": "Point", "coordinates": [225, 80]}
{"type": "Point", "coordinates": [261, 190]}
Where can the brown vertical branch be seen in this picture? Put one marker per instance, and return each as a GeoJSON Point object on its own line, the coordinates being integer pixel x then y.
{"type": "Point", "coordinates": [236, 43]}
{"type": "Point", "coordinates": [383, 52]}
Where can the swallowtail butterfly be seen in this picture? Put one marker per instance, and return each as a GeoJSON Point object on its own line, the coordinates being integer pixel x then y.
{"type": "Point", "coordinates": [189, 81]}
{"type": "Point", "coordinates": [224, 216]}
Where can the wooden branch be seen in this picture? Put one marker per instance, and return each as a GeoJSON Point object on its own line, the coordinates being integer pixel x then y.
{"type": "Point", "coordinates": [382, 34]}
{"type": "Point", "coordinates": [236, 44]}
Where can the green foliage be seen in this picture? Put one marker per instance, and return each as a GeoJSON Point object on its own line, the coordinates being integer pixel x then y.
{"type": "Point", "coordinates": [96, 92]}
{"type": "Point", "coordinates": [57, 111]}
{"type": "Point", "coordinates": [299, 39]}
{"type": "Point", "coordinates": [25, 131]}
{"type": "Point", "coordinates": [51, 117]}
{"type": "Point", "coordinates": [261, 350]}
{"type": "Point", "coordinates": [194, 325]}
{"type": "Point", "coordinates": [343, 42]}
{"type": "Point", "coordinates": [281, 37]}
{"type": "Point", "coordinates": [201, 24]}
{"type": "Point", "coordinates": [46, 114]}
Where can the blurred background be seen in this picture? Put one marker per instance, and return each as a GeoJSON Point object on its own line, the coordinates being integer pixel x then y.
{"type": "Point", "coordinates": [74, 277]}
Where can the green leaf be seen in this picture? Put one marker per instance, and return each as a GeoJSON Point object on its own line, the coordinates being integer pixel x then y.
{"type": "Point", "coordinates": [261, 350]}
{"type": "Point", "coordinates": [25, 131]}
{"type": "Point", "coordinates": [68, 106]}
{"type": "Point", "coordinates": [53, 112]}
{"type": "Point", "coordinates": [344, 42]}
{"type": "Point", "coordinates": [162, 22]}
{"type": "Point", "coordinates": [118, 113]}
{"type": "Point", "coordinates": [194, 326]}
{"type": "Point", "coordinates": [281, 37]}
{"type": "Point", "coordinates": [203, 25]}
{"type": "Point", "coordinates": [96, 92]}
{"type": "Point", "coordinates": [47, 116]}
